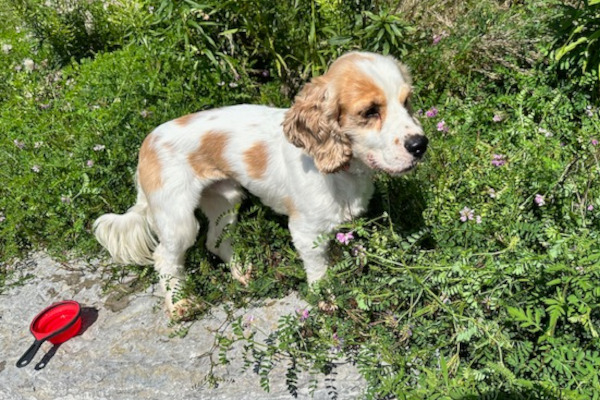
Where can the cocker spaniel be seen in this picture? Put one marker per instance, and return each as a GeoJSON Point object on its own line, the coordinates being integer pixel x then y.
{"type": "Point", "coordinates": [312, 162]}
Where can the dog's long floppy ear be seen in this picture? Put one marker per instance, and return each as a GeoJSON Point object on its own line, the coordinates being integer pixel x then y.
{"type": "Point", "coordinates": [312, 124]}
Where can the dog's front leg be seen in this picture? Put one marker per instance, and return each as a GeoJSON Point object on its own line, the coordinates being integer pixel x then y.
{"type": "Point", "coordinates": [313, 253]}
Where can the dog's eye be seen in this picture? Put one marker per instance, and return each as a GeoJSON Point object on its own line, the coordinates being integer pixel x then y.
{"type": "Point", "coordinates": [372, 112]}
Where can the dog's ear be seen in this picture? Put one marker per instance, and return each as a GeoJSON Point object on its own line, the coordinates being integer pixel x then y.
{"type": "Point", "coordinates": [312, 123]}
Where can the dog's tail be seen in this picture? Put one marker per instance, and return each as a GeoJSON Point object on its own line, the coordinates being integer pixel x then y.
{"type": "Point", "coordinates": [128, 237]}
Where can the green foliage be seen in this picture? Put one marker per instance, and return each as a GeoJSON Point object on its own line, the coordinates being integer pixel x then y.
{"type": "Point", "coordinates": [76, 29]}
{"type": "Point", "coordinates": [474, 278]}
{"type": "Point", "coordinates": [577, 46]}
{"type": "Point", "coordinates": [248, 35]}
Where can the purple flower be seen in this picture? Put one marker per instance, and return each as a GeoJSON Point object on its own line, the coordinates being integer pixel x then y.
{"type": "Point", "coordinates": [594, 142]}
{"type": "Point", "coordinates": [338, 342]}
{"type": "Point", "coordinates": [344, 238]}
{"type": "Point", "coordinates": [90, 163]}
{"type": "Point", "coordinates": [249, 320]}
{"type": "Point", "coordinates": [303, 314]}
{"type": "Point", "coordinates": [438, 37]}
{"type": "Point", "coordinates": [441, 126]}
{"type": "Point", "coordinates": [432, 112]}
{"type": "Point", "coordinates": [466, 214]}
{"type": "Point", "coordinates": [497, 118]}
{"type": "Point", "coordinates": [590, 208]}
{"type": "Point", "coordinates": [498, 160]}
{"type": "Point", "coordinates": [539, 200]}
{"type": "Point", "coordinates": [358, 250]}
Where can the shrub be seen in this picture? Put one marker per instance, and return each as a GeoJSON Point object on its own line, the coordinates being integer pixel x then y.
{"type": "Point", "coordinates": [290, 39]}
{"type": "Point", "coordinates": [78, 29]}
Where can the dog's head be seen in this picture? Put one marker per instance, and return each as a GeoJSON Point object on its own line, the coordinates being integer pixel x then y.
{"type": "Point", "coordinates": [359, 108]}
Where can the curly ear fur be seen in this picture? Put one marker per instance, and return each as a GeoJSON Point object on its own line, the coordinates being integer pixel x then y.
{"type": "Point", "coordinates": [312, 124]}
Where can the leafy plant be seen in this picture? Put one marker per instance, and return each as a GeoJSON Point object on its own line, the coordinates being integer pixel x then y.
{"type": "Point", "coordinates": [577, 46]}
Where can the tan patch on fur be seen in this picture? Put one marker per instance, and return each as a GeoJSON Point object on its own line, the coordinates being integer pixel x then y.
{"type": "Point", "coordinates": [405, 93]}
{"type": "Point", "coordinates": [358, 92]}
{"type": "Point", "coordinates": [208, 159]}
{"type": "Point", "coordinates": [149, 169]}
{"type": "Point", "coordinates": [290, 207]}
{"type": "Point", "coordinates": [185, 120]}
{"type": "Point", "coordinates": [256, 159]}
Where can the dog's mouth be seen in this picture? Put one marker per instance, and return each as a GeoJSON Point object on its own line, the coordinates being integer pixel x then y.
{"type": "Point", "coordinates": [376, 165]}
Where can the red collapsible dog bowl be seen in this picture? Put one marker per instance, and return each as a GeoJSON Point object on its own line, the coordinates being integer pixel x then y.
{"type": "Point", "coordinates": [57, 323]}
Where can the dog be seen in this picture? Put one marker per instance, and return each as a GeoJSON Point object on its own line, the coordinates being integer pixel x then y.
{"type": "Point", "coordinates": [313, 162]}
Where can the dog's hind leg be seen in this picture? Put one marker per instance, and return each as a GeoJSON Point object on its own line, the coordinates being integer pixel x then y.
{"type": "Point", "coordinates": [219, 203]}
{"type": "Point", "coordinates": [177, 228]}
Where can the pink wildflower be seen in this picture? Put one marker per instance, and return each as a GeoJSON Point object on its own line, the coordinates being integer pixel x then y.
{"type": "Point", "coordinates": [594, 142]}
{"type": "Point", "coordinates": [438, 37]}
{"type": "Point", "coordinates": [344, 238]}
{"type": "Point", "coordinates": [338, 342]}
{"type": "Point", "coordinates": [539, 200]}
{"type": "Point", "coordinates": [432, 112]}
{"type": "Point", "coordinates": [590, 208]}
{"type": "Point", "coordinates": [90, 163]}
{"type": "Point", "coordinates": [441, 126]}
{"type": "Point", "coordinates": [466, 214]}
{"type": "Point", "coordinates": [249, 320]}
{"type": "Point", "coordinates": [303, 314]}
{"type": "Point", "coordinates": [498, 160]}
{"type": "Point", "coordinates": [497, 118]}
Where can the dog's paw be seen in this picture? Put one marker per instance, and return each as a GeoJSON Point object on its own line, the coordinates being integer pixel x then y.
{"type": "Point", "coordinates": [242, 277]}
{"type": "Point", "coordinates": [181, 311]}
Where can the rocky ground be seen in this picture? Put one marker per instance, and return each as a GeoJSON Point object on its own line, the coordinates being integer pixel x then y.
{"type": "Point", "coordinates": [127, 349]}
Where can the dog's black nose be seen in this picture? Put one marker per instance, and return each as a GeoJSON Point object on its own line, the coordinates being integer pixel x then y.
{"type": "Point", "coordinates": [416, 145]}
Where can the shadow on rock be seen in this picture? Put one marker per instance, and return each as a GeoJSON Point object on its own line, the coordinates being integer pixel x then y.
{"type": "Point", "coordinates": [89, 315]}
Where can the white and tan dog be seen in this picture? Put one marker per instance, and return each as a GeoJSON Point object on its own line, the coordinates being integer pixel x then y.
{"type": "Point", "coordinates": [313, 162]}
